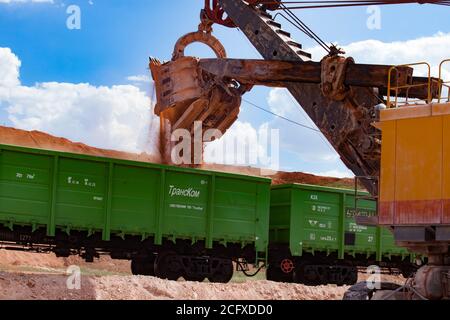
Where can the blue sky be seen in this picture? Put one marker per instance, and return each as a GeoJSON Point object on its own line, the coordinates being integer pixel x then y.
{"type": "Point", "coordinates": [118, 36]}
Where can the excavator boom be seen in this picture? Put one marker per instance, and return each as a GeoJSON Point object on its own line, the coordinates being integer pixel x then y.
{"type": "Point", "coordinates": [339, 95]}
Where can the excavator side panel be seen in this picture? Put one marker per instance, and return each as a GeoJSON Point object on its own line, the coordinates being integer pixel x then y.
{"type": "Point", "coordinates": [387, 181]}
{"type": "Point", "coordinates": [414, 176]}
{"type": "Point", "coordinates": [446, 169]}
{"type": "Point", "coordinates": [418, 188]}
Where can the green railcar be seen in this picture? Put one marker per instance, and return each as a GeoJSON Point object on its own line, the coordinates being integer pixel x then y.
{"type": "Point", "coordinates": [314, 238]}
{"type": "Point", "coordinates": [169, 221]}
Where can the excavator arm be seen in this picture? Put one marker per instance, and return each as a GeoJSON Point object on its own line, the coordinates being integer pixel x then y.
{"type": "Point", "coordinates": [345, 119]}
{"type": "Point", "coordinates": [339, 95]}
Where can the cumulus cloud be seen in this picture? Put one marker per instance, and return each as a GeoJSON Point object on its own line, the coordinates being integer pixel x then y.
{"type": "Point", "coordinates": [269, 145]}
{"type": "Point", "coordinates": [432, 49]}
{"type": "Point", "coordinates": [242, 144]}
{"type": "Point", "coordinates": [335, 174]}
{"type": "Point", "coordinates": [9, 68]}
{"type": "Point", "coordinates": [309, 149]}
{"type": "Point", "coordinates": [117, 117]}
{"type": "Point", "coordinates": [139, 78]}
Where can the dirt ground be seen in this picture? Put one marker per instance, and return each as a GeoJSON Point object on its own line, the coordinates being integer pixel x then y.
{"type": "Point", "coordinates": [32, 276]}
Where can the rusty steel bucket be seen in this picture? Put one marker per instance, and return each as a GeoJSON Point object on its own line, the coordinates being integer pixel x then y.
{"type": "Point", "coordinates": [186, 94]}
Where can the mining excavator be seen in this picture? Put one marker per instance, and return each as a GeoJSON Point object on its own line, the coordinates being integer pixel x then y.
{"type": "Point", "coordinates": [390, 127]}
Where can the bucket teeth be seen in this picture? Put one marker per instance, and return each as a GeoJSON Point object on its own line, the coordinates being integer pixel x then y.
{"type": "Point", "coordinates": [155, 61]}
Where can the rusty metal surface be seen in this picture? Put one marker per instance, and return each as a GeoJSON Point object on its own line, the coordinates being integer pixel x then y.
{"type": "Point", "coordinates": [334, 69]}
{"type": "Point", "coordinates": [202, 37]}
{"type": "Point", "coordinates": [186, 94]}
{"type": "Point", "coordinates": [276, 73]}
{"type": "Point", "coordinates": [347, 123]}
{"type": "Point", "coordinates": [269, 5]}
{"type": "Point", "coordinates": [430, 282]}
{"type": "Point", "coordinates": [419, 89]}
{"type": "Point", "coordinates": [214, 13]}
{"type": "Point", "coordinates": [446, 284]}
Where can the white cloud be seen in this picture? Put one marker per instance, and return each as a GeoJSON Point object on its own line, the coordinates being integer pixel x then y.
{"type": "Point", "coordinates": [306, 144]}
{"type": "Point", "coordinates": [335, 174]}
{"type": "Point", "coordinates": [117, 117]}
{"type": "Point", "coordinates": [280, 103]}
{"type": "Point", "coordinates": [432, 49]}
{"type": "Point", "coordinates": [139, 78]}
{"type": "Point", "coordinates": [308, 149]}
{"type": "Point", "coordinates": [244, 145]}
{"type": "Point", "coordinates": [9, 68]}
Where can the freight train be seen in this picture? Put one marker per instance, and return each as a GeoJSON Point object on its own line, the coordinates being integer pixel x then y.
{"type": "Point", "coordinates": [177, 222]}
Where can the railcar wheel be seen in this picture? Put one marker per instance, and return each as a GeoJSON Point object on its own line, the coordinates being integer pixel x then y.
{"type": "Point", "coordinates": [194, 278]}
{"type": "Point", "coordinates": [136, 268]}
{"type": "Point", "coordinates": [168, 266]}
{"type": "Point", "coordinates": [274, 273]}
{"type": "Point", "coordinates": [287, 266]}
{"type": "Point", "coordinates": [347, 275]}
{"type": "Point", "coordinates": [408, 272]}
{"type": "Point", "coordinates": [143, 267]}
{"type": "Point", "coordinates": [223, 273]}
{"type": "Point", "coordinates": [352, 278]}
{"type": "Point", "coordinates": [307, 275]}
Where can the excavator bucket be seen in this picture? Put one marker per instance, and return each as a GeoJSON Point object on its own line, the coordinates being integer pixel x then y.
{"type": "Point", "coordinates": [186, 95]}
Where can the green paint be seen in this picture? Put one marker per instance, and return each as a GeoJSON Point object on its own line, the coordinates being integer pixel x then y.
{"type": "Point", "coordinates": [73, 192]}
{"type": "Point", "coordinates": [107, 230]}
{"type": "Point", "coordinates": [210, 218]}
{"type": "Point", "coordinates": [316, 219]}
{"type": "Point", "coordinates": [51, 226]}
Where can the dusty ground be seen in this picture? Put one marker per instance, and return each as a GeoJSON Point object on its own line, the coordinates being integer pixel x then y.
{"type": "Point", "coordinates": [43, 276]}
{"type": "Point", "coordinates": [50, 286]}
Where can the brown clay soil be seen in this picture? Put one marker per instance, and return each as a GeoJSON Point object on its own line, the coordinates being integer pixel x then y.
{"type": "Point", "coordinates": [41, 140]}
{"type": "Point", "coordinates": [281, 177]}
{"type": "Point", "coordinates": [34, 276]}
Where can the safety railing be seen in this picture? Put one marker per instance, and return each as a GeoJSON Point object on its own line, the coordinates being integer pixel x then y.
{"type": "Point", "coordinates": [398, 89]}
{"type": "Point", "coordinates": [443, 84]}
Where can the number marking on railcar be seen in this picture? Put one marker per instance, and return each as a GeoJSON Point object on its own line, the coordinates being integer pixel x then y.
{"type": "Point", "coordinates": [89, 183]}
{"type": "Point", "coordinates": [71, 180]}
{"type": "Point", "coordinates": [356, 227]}
{"type": "Point", "coordinates": [27, 176]}
{"type": "Point", "coordinates": [320, 209]}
